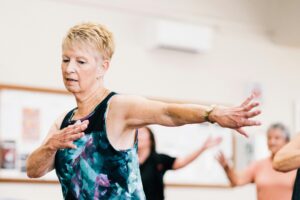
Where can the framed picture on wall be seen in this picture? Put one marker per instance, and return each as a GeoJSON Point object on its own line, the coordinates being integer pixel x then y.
{"type": "Point", "coordinates": [26, 115]}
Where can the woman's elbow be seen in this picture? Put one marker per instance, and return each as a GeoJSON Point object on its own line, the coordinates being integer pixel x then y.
{"type": "Point", "coordinates": [278, 164]}
{"type": "Point", "coordinates": [233, 184]}
{"type": "Point", "coordinates": [31, 174]}
{"type": "Point", "coordinates": [31, 171]}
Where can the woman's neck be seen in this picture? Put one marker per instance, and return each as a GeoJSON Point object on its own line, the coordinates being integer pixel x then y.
{"type": "Point", "coordinates": [272, 156]}
{"type": "Point", "coordinates": [86, 103]}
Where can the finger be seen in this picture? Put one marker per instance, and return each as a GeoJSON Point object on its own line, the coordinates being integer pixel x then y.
{"type": "Point", "coordinates": [86, 122]}
{"type": "Point", "coordinates": [215, 142]}
{"type": "Point", "coordinates": [71, 128]}
{"type": "Point", "coordinates": [83, 126]}
{"type": "Point", "coordinates": [68, 128]}
{"type": "Point", "coordinates": [250, 106]}
{"type": "Point", "coordinates": [217, 158]}
{"type": "Point", "coordinates": [247, 122]}
{"type": "Point", "coordinates": [74, 137]}
{"type": "Point", "coordinates": [218, 141]}
{"type": "Point", "coordinates": [252, 114]}
{"type": "Point", "coordinates": [247, 101]}
{"type": "Point", "coordinates": [241, 131]}
{"type": "Point", "coordinates": [78, 123]}
{"type": "Point", "coordinates": [70, 145]}
{"type": "Point", "coordinates": [222, 156]}
{"type": "Point", "coordinates": [208, 139]}
{"type": "Point", "coordinates": [77, 128]}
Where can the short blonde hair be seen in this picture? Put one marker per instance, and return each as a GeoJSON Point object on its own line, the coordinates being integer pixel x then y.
{"type": "Point", "coordinates": [93, 34]}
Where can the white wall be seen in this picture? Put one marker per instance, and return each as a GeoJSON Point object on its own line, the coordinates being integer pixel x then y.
{"type": "Point", "coordinates": [31, 32]}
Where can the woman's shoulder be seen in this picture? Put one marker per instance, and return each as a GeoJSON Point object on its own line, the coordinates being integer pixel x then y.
{"type": "Point", "coordinates": [125, 101]}
{"type": "Point", "coordinates": [59, 120]}
{"type": "Point", "coordinates": [263, 162]}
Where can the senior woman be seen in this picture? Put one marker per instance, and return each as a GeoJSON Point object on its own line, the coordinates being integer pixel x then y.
{"type": "Point", "coordinates": [270, 184]}
{"type": "Point", "coordinates": [93, 147]}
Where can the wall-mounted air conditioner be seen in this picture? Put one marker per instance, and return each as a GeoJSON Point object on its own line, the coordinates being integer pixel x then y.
{"type": "Point", "coordinates": [181, 36]}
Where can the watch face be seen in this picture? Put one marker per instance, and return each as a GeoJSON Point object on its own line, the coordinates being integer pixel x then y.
{"type": "Point", "coordinates": [207, 113]}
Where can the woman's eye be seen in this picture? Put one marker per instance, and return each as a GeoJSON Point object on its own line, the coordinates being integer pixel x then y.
{"type": "Point", "coordinates": [81, 62]}
{"type": "Point", "coordinates": [66, 60]}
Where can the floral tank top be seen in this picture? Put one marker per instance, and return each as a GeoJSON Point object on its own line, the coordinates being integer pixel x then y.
{"type": "Point", "coordinates": [95, 169]}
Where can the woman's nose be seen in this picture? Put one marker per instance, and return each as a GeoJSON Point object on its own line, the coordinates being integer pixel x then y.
{"type": "Point", "coordinates": [70, 67]}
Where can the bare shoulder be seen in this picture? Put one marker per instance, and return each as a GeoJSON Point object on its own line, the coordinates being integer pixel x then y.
{"type": "Point", "coordinates": [59, 120]}
{"type": "Point", "coordinates": [263, 162]}
{"type": "Point", "coordinates": [124, 102]}
{"type": "Point", "coordinates": [55, 126]}
{"type": "Point", "coordinates": [123, 99]}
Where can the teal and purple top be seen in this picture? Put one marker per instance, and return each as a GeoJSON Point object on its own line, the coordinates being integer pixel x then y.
{"type": "Point", "coordinates": [95, 169]}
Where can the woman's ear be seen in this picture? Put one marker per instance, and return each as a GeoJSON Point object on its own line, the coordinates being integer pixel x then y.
{"type": "Point", "coordinates": [103, 68]}
{"type": "Point", "coordinates": [105, 64]}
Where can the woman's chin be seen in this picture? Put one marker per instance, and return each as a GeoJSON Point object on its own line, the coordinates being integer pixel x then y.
{"type": "Point", "coordinates": [274, 150]}
{"type": "Point", "coordinates": [72, 89]}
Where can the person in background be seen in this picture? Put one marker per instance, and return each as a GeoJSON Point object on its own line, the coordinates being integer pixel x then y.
{"type": "Point", "coordinates": [287, 160]}
{"type": "Point", "coordinates": [153, 165]}
{"type": "Point", "coordinates": [270, 184]}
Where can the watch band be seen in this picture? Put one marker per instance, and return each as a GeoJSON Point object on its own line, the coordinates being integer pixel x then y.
{"type": "Point", "coordinates": [207, 113]}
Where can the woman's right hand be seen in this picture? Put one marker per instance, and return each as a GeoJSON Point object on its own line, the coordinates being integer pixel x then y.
{"type": "Point", "coordinates": [222, 160]}
{"type": "Point", "coordinates": [64, 138]}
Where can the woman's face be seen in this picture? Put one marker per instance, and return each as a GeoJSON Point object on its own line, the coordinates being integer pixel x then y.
{"type": "Point", "coordinates": [144, 141]}
{"type": "Point", "coordinates": [81, 67]}
{"type": "Point", "coordinates": [276, 140]}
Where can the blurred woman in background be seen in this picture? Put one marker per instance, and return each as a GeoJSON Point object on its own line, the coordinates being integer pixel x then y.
{"type": "Point", "coordinates": [288, 159]}
{"type": "Point", "coordinates": [153, 165]}
{"type": "Point", "coordinates": [270, 184]}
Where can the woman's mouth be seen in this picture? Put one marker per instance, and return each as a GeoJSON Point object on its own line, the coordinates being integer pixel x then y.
{"type": "Point", "coordinates": [71, 81]}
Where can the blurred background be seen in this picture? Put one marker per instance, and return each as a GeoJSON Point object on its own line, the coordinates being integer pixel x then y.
{"type": "Point", "coordinates": [212, 52]}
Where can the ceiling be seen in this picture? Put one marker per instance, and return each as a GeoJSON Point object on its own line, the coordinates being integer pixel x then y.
{"type": "Point", "coordinates": [281, 18]}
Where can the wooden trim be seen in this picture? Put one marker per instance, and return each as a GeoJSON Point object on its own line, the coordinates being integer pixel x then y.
{"type": "Point", "coordinates": [196, 186]}
{"type": "Point", "coordinates": [234, 154]}
{"type": "Point", "coordinates": [167, 100]}
{"type": "Point", "coordinates": [33, 181]}
{"type": "Point", "coordinates": [38, 181]}
{"type": "Point", "coordinates": [33, 89]}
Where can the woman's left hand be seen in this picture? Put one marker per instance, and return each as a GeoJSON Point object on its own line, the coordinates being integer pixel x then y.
{"type": "Point", "coordinates": [236, 117]}
{"type": "Point", "coordinates": [211, 142]}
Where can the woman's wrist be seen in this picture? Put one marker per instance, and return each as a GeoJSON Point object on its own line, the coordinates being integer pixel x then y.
{"type": "Point", "coordinates": [208, 115]}
{"type": "Point", "coordinates": [226, 167]}
{"type": "Point", "coordinates": [50, 148]}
